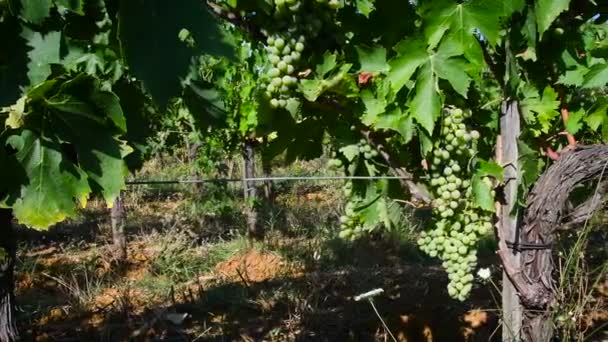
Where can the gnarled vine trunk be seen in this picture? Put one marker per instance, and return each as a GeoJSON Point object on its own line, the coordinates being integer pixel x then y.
{"type": "Point", "coordinates": [8, 326]}
{"type": "Point", "coordinates": [250, 190]}
{"type": "Point", "coordinates": [119, 237]}
{"type": "Point", "coordinates": [547, 209]}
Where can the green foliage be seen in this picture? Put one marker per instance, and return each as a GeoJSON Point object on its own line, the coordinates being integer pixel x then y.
{"type": "Point", "coordinates": [149, 35]}
{"type": "Point", "coordinates": [303, 76]}
{"type": "Point", "coordinates": [67, 143]}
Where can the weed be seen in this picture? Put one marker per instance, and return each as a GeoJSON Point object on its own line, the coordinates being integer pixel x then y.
{"type": "Point", "coordinates": [578, 281]}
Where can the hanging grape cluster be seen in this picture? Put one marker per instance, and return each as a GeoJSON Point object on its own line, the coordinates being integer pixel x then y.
{"type": "Point", "coordinates": [299, 23]}
{"type": "Point", "coordinates": [351, 223]}
{"type": "Point", "coordinates": [458, 225]}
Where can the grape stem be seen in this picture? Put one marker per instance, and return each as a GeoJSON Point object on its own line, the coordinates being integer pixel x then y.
{"type": "Point", "coordinates": [416, 192]}
{"type": "Point", "coordinates": [235, 19]}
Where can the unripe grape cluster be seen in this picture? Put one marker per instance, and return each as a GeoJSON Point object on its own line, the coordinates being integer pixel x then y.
{"type": "Point", "coordinates": [366, 150]}
{"type": "Point", "coordinates": [299, 23]}
{"type": "Point", "coordinates": [458, 225]}
{"type": "Point", "coordinates": [284, 52]}
{"type": "Point", "coordinates": [351, 223]}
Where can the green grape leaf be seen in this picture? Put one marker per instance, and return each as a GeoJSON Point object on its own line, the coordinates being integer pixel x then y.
{"type": "Point", "coordinates": [597, 76]}
{"type": "Point", "coordinates": [366, 7]}
{"type": "Point", "coordinates": [574, 122]}
{"type": "Point", "coordinates": [599, 117]}
{"type": "Point", "coordinates": [411, 54]}
{"type": "Point", "coordinates": [574, 77]}
{"type": "Point", "coordinates": [482, 193]}
{"type": "Point", "coordinates": [350, 152]}
{"type": "Point", "coordinates": [339, 82]}
{"type": "Point", "coordinates": [397, 121]}
{"type": "Point", "coordinates": [371, 168]}
{"type": "Point", "coordinates": [328, 64]}
{"type": "Point", "coordinates": [54, 184]}
{"type": "Point", "coordinates": [462, 19]}
{"type": "Point", "coordinates": [426, 104]}
{"type": "Point", "coordinates": [512, 6]}
{"type": "Point", "coordinates": [293, 107]}
{"type": "Point", "coordinates": [489, 168]}
{"type": "Point", "coordinates": [452, 69]}
{"type": "Point", "coordinates": [372, 59]}
{"type": "Point", "coordinates": [152, 47]}
{"type": "Point", "coordinates": [70, 140]}
{"type": "Point", "coordinates": [538, 110]}
{"type": "Point", "coordinates": [547, 11]}
{"type": "Point", "coordinates": [45, 51]}
{"type": "Point", "coordinates": [374, 105]}
{"type": "Point", "coordinates": [35, 11]}
{"type": "Point", "coordinates": [530, 167]}
{"type": "Point", "coordinates": [530, 34]}
{"type": "Point", "coordinates": [311, 89]}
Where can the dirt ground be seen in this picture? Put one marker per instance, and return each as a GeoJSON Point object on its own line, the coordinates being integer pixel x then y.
{"type": "Point", "coordinates": [69, 288]}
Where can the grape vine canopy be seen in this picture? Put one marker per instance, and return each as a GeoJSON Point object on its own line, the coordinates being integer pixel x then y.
{"type": "Point", "coordinates": [467, 102]}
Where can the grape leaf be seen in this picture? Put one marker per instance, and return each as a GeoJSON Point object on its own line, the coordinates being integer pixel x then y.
{"type": "Point", "coordinates": [374, 105]}
{"type": "Point", "coordinates": [547, 11]}
{"type": "Point", "coordinates": [489, 168]}
{"type": "Point", "coordinates": [540, 111]}
{"type": "Point", "coordinates": [328, 64]}
{"type": "Point", "coordinates": [599, 117]}
{"type": "Point", "coordinates": [339, 83]}
{"type": "Point", "coordinates": [45, 51]}
{"type": "Point", "coordinates": [482, 193]}
{"type": "Point", "coordinates": [411, 53]}
{"type": "Point", "coordinates": [597, 76]}
{"type": "Point", "coordinates": [350, 152]}
{"type": "Point", "coordinates": [54, 184]}
{"type": "Point", "coordinates": [530, 167]}
{"type": "Point", "coordinates": [372, 59]}
{"type": "Point", "coordinates": [573, 77]}
{"type": "Point", "coordinates": [462, 19]}
{"type": "Point", "coordinates": [426, 104]}
{"type": "Point", "coordinates": [452, 69]}
{"type": "Point", "coordinates": [574, 122]}
{"type": "Point", "coordinates": [366, 7]}
{"type": "Point", "coordinates": [152, 48]}
{"type": "Point", "coordinates": [35, 11]}
{"type": "Point", "coordinates": [397, 121]}
{"type": "Point", "coordinates": [529, 33]}
{"type": "Point", "coordinates": [69, 144]}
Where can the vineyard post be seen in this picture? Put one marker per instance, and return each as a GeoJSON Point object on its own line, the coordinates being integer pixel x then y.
{"type": "Point", "coordinates": [118, 228]}
{"type": "Point", "coordinates": [8, 324]}
{"type": "Point", "coordinates": [508, 214]}
{"type": "Point", "coordinates": [249, 189]}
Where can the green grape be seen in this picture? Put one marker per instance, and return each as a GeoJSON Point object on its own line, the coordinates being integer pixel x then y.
{"type": "Point", "coordinates": [279, 43]}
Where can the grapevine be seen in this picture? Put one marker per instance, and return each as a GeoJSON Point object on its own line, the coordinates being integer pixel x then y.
{"type": "Point", "coordinates": [458, 226]}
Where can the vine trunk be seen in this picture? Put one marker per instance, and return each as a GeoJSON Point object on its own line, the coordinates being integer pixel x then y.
{"type": "Point", "coordinates": [8, 325]}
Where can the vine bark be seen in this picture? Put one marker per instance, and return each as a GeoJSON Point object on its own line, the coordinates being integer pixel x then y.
{"type": "Point", "coordinates": [548, 208]}
{"type": "Point", "coordinates": [8, 324]}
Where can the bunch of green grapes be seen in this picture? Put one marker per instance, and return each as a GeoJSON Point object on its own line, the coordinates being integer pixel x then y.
{"type": "Point", "coordinates": [351, 223]}
{"type": "Point", "coordinates": [298, 23]}
{"type": "Point", "coordinates": [458, 225]}
{"type": "Point", "coordinates": [284, 52]}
